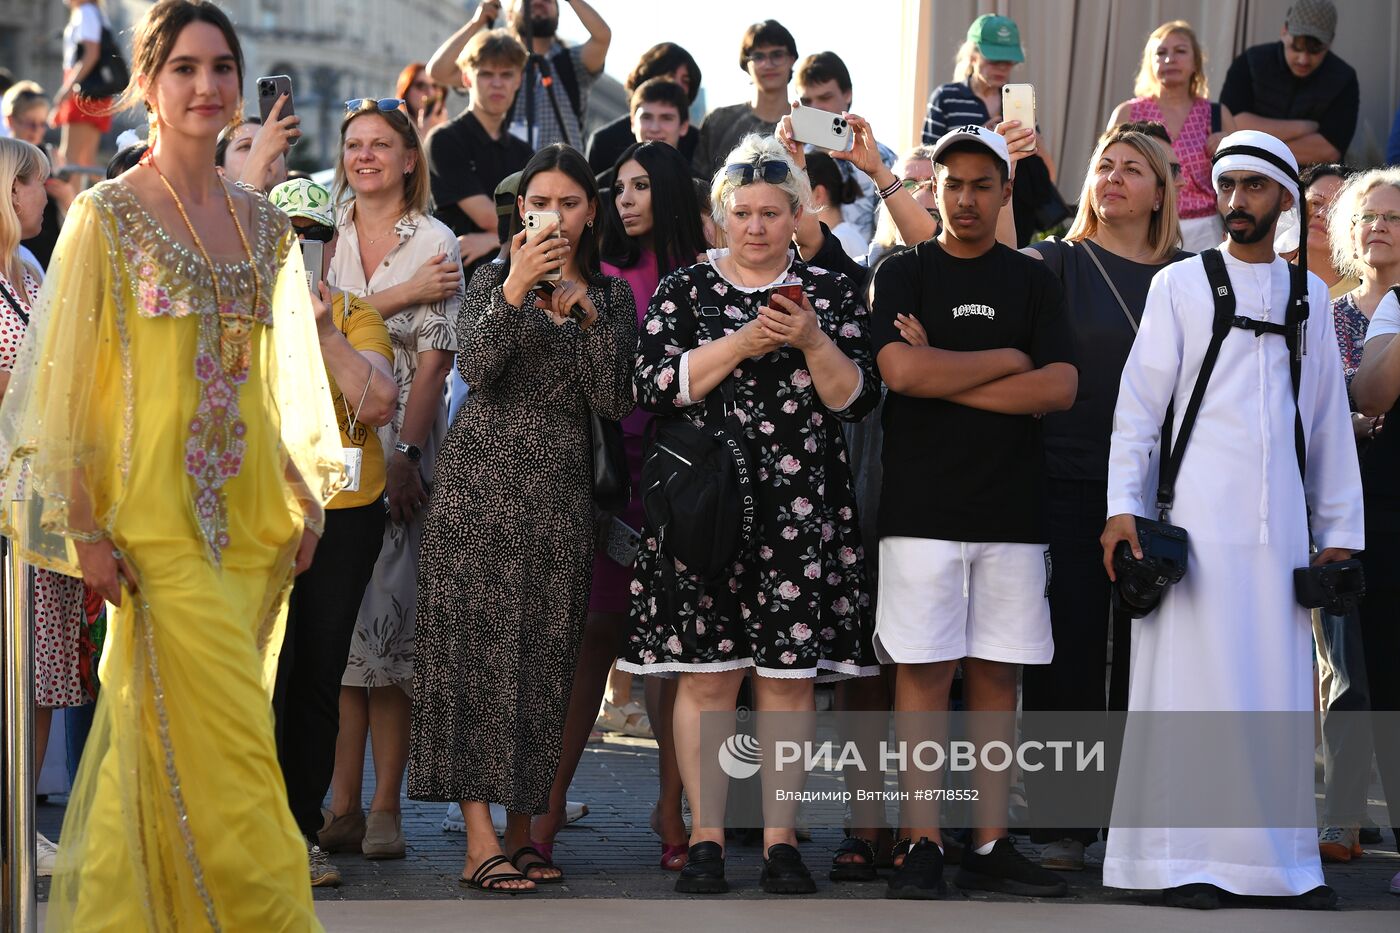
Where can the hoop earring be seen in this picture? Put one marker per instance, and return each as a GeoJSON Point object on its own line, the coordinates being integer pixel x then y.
{"type": "Point", "coordinates": [589, 225]}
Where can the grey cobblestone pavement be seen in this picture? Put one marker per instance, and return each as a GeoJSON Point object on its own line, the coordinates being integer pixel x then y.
{"type": "Point", "coordinates": [612, 853]}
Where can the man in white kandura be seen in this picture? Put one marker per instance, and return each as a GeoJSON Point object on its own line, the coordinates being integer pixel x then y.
{"type": "Point", "coordinates": [1230, 637]}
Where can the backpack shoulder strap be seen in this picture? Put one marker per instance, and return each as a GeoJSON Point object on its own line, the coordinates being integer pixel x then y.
{"type": "Point", "coordinates": [1172, 453]}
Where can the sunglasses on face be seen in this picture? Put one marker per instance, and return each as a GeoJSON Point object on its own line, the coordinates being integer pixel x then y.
{"type": "Point", "coordinates": [743, 173]}
{"type": "Point", "coordinates": [320, 233]}
{"type": "Point", "coordinates": [384, 104]}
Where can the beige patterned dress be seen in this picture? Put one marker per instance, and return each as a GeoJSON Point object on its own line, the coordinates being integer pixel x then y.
{"type": "Point", "coordinates": [381, 650]}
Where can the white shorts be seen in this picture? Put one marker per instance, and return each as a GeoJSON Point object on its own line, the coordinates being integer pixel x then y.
{"type": "Point", "coordinates": [945, 600]}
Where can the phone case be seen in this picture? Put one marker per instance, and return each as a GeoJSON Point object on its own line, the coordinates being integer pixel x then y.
{"type": "Point", "coordinates": [822, 129]}
{"type": "Point", "coordinates": [1018, 103]}
{"type": "Point", "coordinates": [270, 88]}
{"type": "Point", "coordinates": [535, 222]}
{"type": "Point", "coordinates": [622, 543]}
{"type": "Point", "coordinates": [312, 252]}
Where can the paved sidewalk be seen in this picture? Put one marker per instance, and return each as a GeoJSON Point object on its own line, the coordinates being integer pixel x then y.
{"type": "Point", "coordinates": [612, 853]}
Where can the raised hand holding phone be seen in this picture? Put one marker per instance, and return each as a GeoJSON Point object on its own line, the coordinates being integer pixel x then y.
{"type": "Point", "coordinates": [791, 319]}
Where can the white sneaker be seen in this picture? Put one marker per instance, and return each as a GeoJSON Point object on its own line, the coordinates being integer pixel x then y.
{"type": "Point", "coordinates": [1065, 855]}
{"type": "Point", "coordinates": [452, 821]}
{"type": "Point", "coordinates": [47, 854]}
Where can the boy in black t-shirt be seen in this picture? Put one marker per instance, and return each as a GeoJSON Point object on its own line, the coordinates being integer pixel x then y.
{"type": "Point", "coordinates": [973, 342]}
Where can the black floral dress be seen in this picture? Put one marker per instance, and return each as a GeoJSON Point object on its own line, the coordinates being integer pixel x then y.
{"type": "Point", "coordinates": [798, 603]}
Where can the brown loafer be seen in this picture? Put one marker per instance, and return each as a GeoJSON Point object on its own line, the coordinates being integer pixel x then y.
{"type": "Point", "coordinates": [383, 835]}
{"type": "Point", "coordinates": [341, 833]}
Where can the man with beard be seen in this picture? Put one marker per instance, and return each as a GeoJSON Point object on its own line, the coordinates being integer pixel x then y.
{"type": "Point", "coordinates": [1266, 465]}
{"type": "Point", "coordinates": [973, 341]}
{"type": "Point", "coordinates": [552, 105]}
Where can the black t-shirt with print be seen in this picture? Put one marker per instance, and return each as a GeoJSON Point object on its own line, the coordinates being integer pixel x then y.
{"type": "Point", "coordinates": [953, 472]}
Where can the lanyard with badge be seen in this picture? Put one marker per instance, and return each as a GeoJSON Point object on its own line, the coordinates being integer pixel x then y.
{"type": "Point", "coordinates": [354, 456]}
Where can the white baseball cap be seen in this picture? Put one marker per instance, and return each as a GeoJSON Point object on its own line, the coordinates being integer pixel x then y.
{"type": "Point", "coordinates": [994, 141]}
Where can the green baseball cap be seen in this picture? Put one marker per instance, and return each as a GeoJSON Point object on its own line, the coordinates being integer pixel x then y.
{"type": "Point", "coordinates": [997, 38]}
{"type": "Point", "coordinates": [302, 197]}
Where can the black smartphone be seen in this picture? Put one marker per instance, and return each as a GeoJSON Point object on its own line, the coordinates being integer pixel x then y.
{"type": "Point", "coordinates": [270, 88]}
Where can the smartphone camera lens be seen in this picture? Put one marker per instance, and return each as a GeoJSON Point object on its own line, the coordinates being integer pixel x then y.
{"type": "Point", "coordinates": [265, 88]}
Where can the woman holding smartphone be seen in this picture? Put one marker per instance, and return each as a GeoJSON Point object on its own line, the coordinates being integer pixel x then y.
{"type": "Point", "coordinates": [796, 607]}
{"type": "Point", "coordinates": [506, 557]}
{"type": "Point", "coordinates": [652, 180]}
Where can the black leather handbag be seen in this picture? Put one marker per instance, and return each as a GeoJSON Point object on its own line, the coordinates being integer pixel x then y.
{"type": "Point", "coordinates": [612, 487]}
{"type": "Point", "coordinates": [110, 76]}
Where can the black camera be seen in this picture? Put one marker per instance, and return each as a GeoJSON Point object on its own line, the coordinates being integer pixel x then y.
{"type": "Point", "coordinates": [1141, 583]}
{"type": "Point", "coordinates": [1334, 588]}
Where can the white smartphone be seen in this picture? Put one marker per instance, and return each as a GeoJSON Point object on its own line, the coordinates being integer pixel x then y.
{"type": "Point", "coordinates": [1018, 103]}
{"type": "Point", "coordinates": [312, 253]}
{"type": "Point", "coordinates": [535, 224]}
{"type": "Point", "coordinates": [822, 129]}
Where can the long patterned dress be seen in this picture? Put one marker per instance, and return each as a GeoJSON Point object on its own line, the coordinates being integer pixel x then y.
{"type": "Point", "coordinates": [190, 435]}
{"type": "Point", "coordinates": [797, 604]}
{"type": "Point", "coordinates": [59, 615]}
{"type": "Point", "coordinates": [504, 576]}
{"type": "Point", "coordinates": [382, 648]}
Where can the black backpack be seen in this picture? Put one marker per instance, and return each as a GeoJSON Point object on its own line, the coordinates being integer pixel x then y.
{"type": "Point", "coordinates": [698, 491]}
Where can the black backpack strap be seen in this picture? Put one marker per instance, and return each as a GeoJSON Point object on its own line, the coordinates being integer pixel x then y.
{"type": "Point", "coordinates": [1172, 453]}
{"type": "Point", "coordinates": [1296, 335]}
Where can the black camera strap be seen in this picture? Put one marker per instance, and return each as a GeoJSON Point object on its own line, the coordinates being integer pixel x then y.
{"type": "Point", "coordinates": [1293, 331]}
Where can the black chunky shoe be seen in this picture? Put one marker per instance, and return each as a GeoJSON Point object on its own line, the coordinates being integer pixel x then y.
{"type": "Point", "coordinates": [1004, 870]}
{"type": "Point", "coordinates": [704, 870]}
{"type": "Point", "coordinates": [920, 878]}
{"type": "Point", "coordinates": [1194, 897]}
{"type": "Point", "coordinates": [785, 873]}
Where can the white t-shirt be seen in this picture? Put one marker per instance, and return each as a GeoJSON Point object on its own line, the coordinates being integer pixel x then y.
{"type": "Point", "coordinates": [1386, 320]}
{"type": "Point", "coordinates": [84, 25]}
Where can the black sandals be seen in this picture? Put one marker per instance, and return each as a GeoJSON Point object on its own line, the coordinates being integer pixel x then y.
{"type": "Point", "coordinates": [482, 879]}
{"type": "Point", "coordinates": [541, 862]}
{"type": "Point", "coordinates": [860, 868]}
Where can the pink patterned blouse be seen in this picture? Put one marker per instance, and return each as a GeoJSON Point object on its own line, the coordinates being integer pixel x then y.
{"type": "Point", "coordinates": [1196, 197]}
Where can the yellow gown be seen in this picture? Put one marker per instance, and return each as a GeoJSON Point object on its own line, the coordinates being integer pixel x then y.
{"type": "Point", "coordinates": [199, 440]}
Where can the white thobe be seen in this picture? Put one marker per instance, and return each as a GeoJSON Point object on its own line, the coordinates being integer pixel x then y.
{"type": "Point", "coordinates": [1230, 636]}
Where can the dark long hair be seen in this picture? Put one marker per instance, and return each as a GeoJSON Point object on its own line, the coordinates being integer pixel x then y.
{"type": "Point", "coordinates": [676, 235]}
{"type": "Point", "coordinates": [561, 157]}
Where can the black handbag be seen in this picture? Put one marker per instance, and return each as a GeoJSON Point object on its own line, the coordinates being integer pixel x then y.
{"type": "Point", "coordinates": [697, 486]}
{"type": "Point", "coordinates": [110, 76]}
{"type": "Point", "coordinates": [612, 487]}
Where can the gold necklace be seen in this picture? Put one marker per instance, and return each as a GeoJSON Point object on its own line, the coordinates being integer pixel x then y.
{"type": "Point", "coordinates": [370, 241]}
{"type": "Point", "coordinates": [235, 330]}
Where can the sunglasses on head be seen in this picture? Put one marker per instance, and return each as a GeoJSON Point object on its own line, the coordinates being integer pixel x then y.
{"type": "Point", "coordinates": [743, 173]}
{"type": "Point", "coordinates": [384, 104]}
{"type": "Point", "coordinates": [317, 232]}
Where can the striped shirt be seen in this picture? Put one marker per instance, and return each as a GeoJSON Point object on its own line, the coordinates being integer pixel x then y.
{"type": "Point", "coordinates": [952, 105]}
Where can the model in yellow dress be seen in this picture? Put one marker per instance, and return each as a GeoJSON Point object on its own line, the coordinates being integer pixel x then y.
{"type": "Point", "coordinates": [181, 431]}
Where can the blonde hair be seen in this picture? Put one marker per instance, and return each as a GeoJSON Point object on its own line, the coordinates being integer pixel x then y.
{"type": "Point", "coordinates": [1164, 227]}
{"type": "Point", "coordinates": [1146, 83]}
{"type": "Point", "coordinates": [19, 162]}
{"type": "Point", "coordinates": [22, 95]}
{"type": "Point", "coordinates": [962, 62]}
{"type": "Point", "coordinates": [886, 233]}
{"type": "Point", "coordinates": [754, 150]}
{"type": "Point", "coordinates": [498, 46]}
{"type": "Point", "coordinates": [1342, 225]}
{"type": "Point", "coordinates": [417, 195]}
